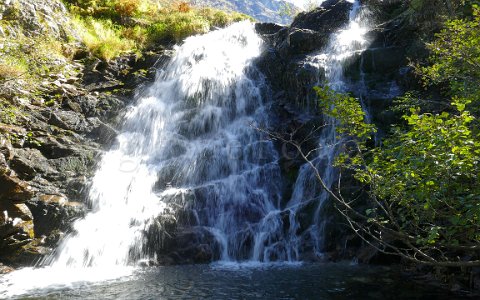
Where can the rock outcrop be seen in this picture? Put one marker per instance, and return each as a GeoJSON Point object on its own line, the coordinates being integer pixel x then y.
{"type": "Point", "coordinates": [286, 62]}
{"type": "Point", "coordinates": [34, 18]}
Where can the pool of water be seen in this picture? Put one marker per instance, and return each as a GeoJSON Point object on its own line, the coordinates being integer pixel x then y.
{"type": "Point", "coordinates": [240, 281]}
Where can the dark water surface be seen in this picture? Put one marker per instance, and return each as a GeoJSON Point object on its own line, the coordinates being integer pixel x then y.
{"type": "Point", "coordinates": [250, 281]}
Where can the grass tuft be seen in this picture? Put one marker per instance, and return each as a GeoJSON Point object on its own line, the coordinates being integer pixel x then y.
{"type": "Point", "coordinates": [103, 38]}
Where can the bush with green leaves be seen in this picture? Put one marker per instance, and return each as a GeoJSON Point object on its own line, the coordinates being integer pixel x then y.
{"type": "Point", "coordinates": [455, 59]}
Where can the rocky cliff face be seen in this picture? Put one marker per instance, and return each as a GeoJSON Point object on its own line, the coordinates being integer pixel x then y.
{"type": "Point", "coordinates": [48, 149]}
{"type": "Point", "coordinates": [286, 62]}
{"type": "Point", "coordinates": [34, 18]}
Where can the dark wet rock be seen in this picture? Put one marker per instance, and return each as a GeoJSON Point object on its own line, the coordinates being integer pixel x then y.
{"type": "Point", "coordinates": [77, 188]}
{"type": "Point", "coordinates": [268, 28]}
{"type": "Point", "coordinates": [54, 214]}
{"type": "Point", "coordinates": [125, 73]}
{"type": "Point", "coordinates": [383, 60]}
{"type": "Point", "coordinates": [305, 40]}
{"type": "Point", "coordinates": [53, 147]}
{"type": "Point", "coordinates": [79, 164]}
{"type": "Point", "coordinates": [286, 62]}
{"type": "Point", "coordinates": [69, 120]}
{"type": "Point", "coordinates": [28, 163]}
{"type": "Point", "coordinates": [16, 229]}
{"type": "Point", "coordinates": [101, 131]}
{"type": "Point", "coordinates": [331, 15]}
{"type": "Point", "coordinates": [14, 189]}
{"type": "Point", "coordinates": [192, 245]}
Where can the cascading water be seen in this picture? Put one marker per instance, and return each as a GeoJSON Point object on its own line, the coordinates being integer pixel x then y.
{"type": "Point", "coordinates": [343, 46]}
{"type": "Point", "coordinates": [190, 135]}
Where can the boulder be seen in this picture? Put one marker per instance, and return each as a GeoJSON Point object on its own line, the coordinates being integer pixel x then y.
{"type": "Point", "coordinates": [69, 120]}
{"type": "Point", "coordinates": [16, 229]}
{"type": "Point", "coordinates": [53, 213]}
{"type": "Point", "coordinates": [383, 60]}
{"type": "Point", "coordinates": [14, 189]}
{"type": "Point", "coordinates": [268, 28]}
{"type": "Point", "coordinates": [101, 131]}
{"type": "Point", "coordinates": [302, 40]}
{"type": "Point", "coordinates": [327, 18]}
{"type": "Point", "coordinates": [36, 17]}
{"type": "Point", "coordinates": [192, 245]}
{"type": "Point", "coordinates": [29, 163]}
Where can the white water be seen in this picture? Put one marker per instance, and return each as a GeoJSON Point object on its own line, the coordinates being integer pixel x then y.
{"type": "Point", "coordinates": [190, 133]}
{"type": "Point", "coordinates": [181, 136]}
{"type": "Point", "coordinates": [343, 46]}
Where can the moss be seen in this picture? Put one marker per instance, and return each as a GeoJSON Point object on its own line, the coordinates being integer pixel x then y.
{"type": "Point", "coordinates": [31, 58]}
{"type": "Point", "coordinates": [8, 112]}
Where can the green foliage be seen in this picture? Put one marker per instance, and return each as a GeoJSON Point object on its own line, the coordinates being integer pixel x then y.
{"type": "Point", "coordinates": [455, 59]}
{"type": "Point", "coordinates": [177, 26]}
{"type": "Point", "coordinates": [103, 38]}
{"type": "Point", "coordinates": [31, 58]}
{"type": "Point", "coordinates": [427, 175]}
{"type": "Point", "coordinates": [423, 180]}
{"type": "Point", "coordinates": [347, 111]}
{"type": "Point", "coordinates": [8, 113]}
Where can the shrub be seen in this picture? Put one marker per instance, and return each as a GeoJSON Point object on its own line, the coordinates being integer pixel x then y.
{"type": "Point", "coordinates": [176, 26]}
{"type": "Point", "coordinates": [184, 7]}
{"type": "Point", "coordinates": [127, 7]}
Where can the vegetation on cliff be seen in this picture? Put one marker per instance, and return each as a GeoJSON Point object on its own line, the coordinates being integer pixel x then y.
{"type": "Point", "coordinates": [112, 27]}
{"type": "Point", "coordinates": [35, 54]}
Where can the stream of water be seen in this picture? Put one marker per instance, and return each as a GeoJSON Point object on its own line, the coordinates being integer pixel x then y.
{"type": "Point", "coordinates": [343, 46]}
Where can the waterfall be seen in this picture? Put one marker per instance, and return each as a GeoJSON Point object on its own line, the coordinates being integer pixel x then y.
{"type": "Point", "coordinates": [189, 137]}
{"type": "Point", "coordinates": [343, 47]}
{"type": "Point", "coordinates": [190, 134]}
